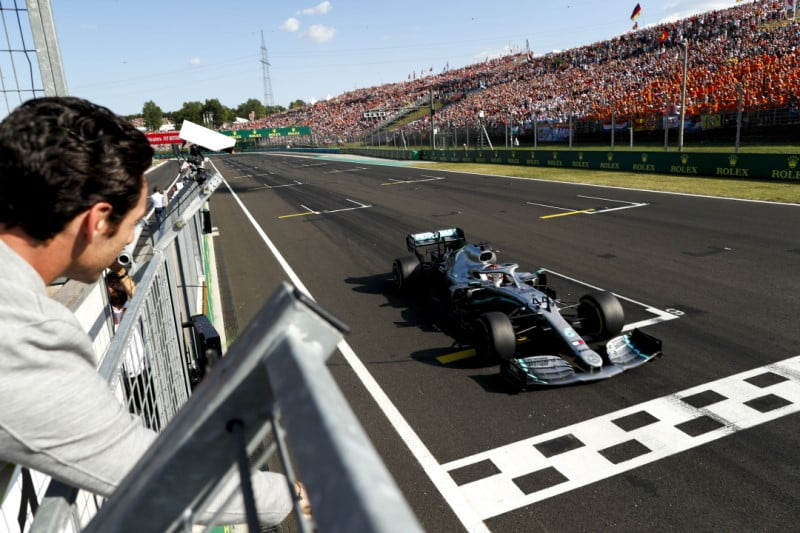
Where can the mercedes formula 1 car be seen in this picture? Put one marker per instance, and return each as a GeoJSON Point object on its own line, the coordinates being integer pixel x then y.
{"type": "Point", "coordinates": [516, 318]}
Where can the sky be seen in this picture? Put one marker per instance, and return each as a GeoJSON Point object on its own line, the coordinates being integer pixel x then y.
{"type": "Point", "coordinates": [123, 53]}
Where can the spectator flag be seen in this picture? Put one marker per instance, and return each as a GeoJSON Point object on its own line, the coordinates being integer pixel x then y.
{"type": "Point", "coordinates": [663, 36]}
{"type": "Point", "coordinates": [636, 12]}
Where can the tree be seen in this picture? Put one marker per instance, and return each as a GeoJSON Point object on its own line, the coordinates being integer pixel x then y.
{"type": "Point", "coordinates": [191, 111]}
{"type": "Point", "coordinates": [296, 104]}
{"type": "Point", "coordinates": [153, 116]}
{"type": "Point", "coordinates": [217, 113]}
{"type": "Point", "coordinates": [274, 109]}
{"type": "Point", "coordinates": [252, 105]}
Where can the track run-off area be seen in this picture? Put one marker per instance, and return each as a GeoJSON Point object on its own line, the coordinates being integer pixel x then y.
{"type": "Point", "coordinates": [707, 437]}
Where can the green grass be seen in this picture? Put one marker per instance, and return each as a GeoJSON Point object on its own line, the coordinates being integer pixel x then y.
{"type": "Point", "coordinates": [752, 190]}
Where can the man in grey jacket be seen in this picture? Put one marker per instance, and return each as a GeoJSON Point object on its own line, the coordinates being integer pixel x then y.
{"type": "Point", "coordinates": [73, 190]}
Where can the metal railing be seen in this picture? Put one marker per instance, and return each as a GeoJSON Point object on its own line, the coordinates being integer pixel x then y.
{"type": "Point", "coordinates": [273, 381]}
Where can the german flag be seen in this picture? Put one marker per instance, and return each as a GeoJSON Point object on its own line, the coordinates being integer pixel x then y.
{"type": "Point", "coordinates": [636, 12]}
{"type": "Point", "coordinates": [663, 36]}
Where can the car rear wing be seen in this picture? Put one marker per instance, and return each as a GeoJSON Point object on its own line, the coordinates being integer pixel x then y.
{"type": "Point", "coordinates": [435, 241]}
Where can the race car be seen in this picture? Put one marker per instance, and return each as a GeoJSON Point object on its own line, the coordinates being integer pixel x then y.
{"type": "Point", "coordinates": [516, 318]}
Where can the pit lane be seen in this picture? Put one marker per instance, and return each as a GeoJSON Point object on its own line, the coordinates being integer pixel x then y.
{"type": "Point", "coordinates": [726, 266]}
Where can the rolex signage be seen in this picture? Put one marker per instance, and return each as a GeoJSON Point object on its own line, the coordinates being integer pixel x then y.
{"type": "Point", "coordinates": [730, 165]}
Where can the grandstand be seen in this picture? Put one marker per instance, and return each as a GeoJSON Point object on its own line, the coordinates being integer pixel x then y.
{"type": "Point", "coordinates": [750, 51]}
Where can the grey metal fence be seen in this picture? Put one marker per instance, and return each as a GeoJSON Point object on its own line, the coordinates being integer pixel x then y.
{"type": "Point", "coordinates": [749, 128]}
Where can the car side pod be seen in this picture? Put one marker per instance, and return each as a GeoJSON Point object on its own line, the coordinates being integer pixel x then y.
{"type": "Point", "coordinates": [622, 353]}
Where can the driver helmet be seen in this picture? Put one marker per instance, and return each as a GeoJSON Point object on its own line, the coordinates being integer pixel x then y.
{"type": "Point", "coordinates": [495, 277]}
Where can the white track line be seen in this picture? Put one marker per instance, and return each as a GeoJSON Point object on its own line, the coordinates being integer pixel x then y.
{"type": "Point", "coordinates": [550, 206]}
{"type": "Point", "coordinates": [661, 315]}
{"type": "Point", "coordinates": [443, 482]}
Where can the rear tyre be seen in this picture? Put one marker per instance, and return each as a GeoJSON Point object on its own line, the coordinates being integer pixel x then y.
{"type": "Point", "coordinates": [494, 336]}
{"type": "Point", "coordinates": [601, 316]}
{"type": "Point", "coordinates": [404, 271]}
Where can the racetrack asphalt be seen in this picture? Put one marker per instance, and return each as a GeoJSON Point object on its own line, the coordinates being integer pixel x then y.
{"type": "Point", "coordinates": [715, 279]}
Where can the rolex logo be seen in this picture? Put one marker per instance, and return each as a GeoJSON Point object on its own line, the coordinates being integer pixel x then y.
{"type": "Point", "coordinates": [684, 159]}
{"type": "Point", "coordinates": [793, 162]}
{"type": "Point", "coordinates": [580, 156]}
{"type": "Point", "coordinates": [644, 157]}
{"type": "Point", "coordinates": [733, 160]}
{"type": "Point", "coordinates": [555, 155]}
{"type": "Point", "coordinates": [610, 156]}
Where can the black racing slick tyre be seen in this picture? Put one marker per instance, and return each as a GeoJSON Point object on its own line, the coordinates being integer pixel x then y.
{"type": "Point", "coordinates": [494, 336]}
{"type": "Point", "coordinates": [601, 315]}
{"type": "Point", "coordinates": [403, 272]}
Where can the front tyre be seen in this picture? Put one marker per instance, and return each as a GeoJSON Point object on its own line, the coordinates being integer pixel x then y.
{"type": "Point", "coordinates": [601, 315]}
{"type": "Point", "coordinates": [494, 336]}
{"type": "Point", "coordinates": [404, 271]}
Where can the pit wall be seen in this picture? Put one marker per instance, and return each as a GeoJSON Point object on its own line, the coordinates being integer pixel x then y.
{"type": "Point", "coordinates": [781, 167]}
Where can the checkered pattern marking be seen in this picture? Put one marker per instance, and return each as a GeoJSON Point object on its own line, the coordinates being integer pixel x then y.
{"type": "Point", "coordinates": [534, 469]}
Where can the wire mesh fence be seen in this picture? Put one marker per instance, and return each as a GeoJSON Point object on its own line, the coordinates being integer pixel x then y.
{"type": "Point", "coordinates": [30, 60]}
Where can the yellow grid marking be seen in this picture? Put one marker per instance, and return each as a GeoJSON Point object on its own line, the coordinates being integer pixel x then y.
{"type": "Point", "coordinates": [457, 356]}
{"type": "Point", "coordinates": [567, 213]}
{"type": "Point", "coordinates": [299, 214]}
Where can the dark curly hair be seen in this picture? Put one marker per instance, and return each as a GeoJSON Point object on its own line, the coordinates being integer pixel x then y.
{"type": "Point", "coordinates": [61, 155]}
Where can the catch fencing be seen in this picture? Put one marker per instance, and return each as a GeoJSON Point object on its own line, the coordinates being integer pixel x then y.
{"type": "Point", "coordinates": [30, 60]}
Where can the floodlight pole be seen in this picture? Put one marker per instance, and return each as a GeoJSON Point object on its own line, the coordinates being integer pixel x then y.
{"type": "Point", "coordinates": [739, 94]}
{"type": "Point", "coordinates": [569, 122]}
{"type": "Point", "coordinates": [683, 43]}
{"type": "Point", "coordinates": [666, 122]}
{"type": "Point", "coordinates": [433, 139]}
{"type": "Point", "coordinates": [613, 125]}
{"type": "Point", "coordinates": [480, 127]}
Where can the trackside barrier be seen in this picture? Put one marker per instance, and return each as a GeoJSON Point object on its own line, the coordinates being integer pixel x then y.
{"type": "Point", "coordinates": [273, 381]}
{"type": "Point", "coordinates": [782, 167]}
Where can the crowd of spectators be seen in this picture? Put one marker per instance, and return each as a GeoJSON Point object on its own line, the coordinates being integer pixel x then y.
{"type": "Point", "coordinates": [749, 50]}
